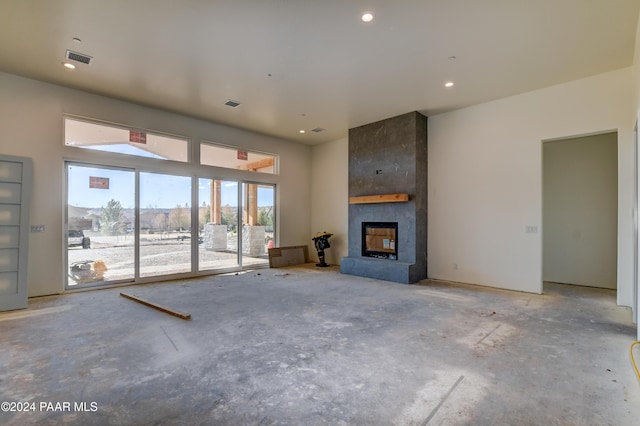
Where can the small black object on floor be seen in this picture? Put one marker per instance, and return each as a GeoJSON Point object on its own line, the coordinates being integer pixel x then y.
{"type": "Point", "coordinates": [321, 241]}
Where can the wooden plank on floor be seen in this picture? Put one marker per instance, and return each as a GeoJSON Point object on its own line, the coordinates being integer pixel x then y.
{"type": "Point", "coordinates": [158, 307]}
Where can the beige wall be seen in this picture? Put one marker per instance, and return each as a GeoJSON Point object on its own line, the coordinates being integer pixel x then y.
{"type": "Point", "coordinates": [330, 191]}
{"type": "Point", "coordinates": [31, 125]}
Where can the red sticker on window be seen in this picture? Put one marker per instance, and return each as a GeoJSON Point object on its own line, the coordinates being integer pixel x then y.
{"type": "Point", "coordinates": [137, 137]}
{"type": "Point", "coordinates": [98, 182]}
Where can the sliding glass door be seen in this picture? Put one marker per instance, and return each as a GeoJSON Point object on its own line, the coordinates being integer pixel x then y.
{"type": "Point", "coordinates": [165, 224]}
{"type": "Point", "coordinates": [218, 224]}
{"type": "Point", "coordinates": [99, 227]}
{"type": "Point", "coordinates": [125, 225]}
{"type": "Point", "coordinates": [258, 230]}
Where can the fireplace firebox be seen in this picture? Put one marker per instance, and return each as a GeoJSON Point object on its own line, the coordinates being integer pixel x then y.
{"type": "Point", "coordinates": [380, 240]}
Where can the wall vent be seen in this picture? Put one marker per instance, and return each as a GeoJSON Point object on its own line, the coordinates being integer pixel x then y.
{"type": "Point", "coordinates": [78, 57]}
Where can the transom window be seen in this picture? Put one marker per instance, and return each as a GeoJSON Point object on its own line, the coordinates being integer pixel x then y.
{"type": "Point", "coordinates": [110, 138]}
{"type": "Point", "coordinates": [235, 158]}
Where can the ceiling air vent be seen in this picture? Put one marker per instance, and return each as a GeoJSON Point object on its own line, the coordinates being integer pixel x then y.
{"type": "Point", "coordinates": [232, 104]}
{"type": "Point", "coordinates": [78, 57]}
{"type": "Point", "coordinates": [318, 130]}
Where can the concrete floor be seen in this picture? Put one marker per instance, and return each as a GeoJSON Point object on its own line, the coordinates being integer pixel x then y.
{"type": "Point", "coordinates": [315, 347]}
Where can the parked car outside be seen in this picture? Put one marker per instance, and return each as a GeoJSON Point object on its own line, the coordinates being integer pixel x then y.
{"type": "Point", "coordinates": [77, 239]}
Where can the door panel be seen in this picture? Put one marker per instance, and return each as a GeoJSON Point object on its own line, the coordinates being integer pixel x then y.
{"type": "Point", "coordinates": [8, 260]}
{"type": "Point", "coordinates": [9, 236]}
{"type": "Point", "coordinates": [218, 224]}
{"type": "Point", "coordinates": [10, 215]}
{"type": "Point", "coordinates": [8, 283]}
{"type": "Point", "coordinates": [258, 224]}
{"type": "Point", "coordinates": [165, 237]}
{"type": "Point", "coordinates": [10, 192]}
{"type": "Point", "coordinates": [100, 214]}
{"type": "Point", "coordinates": [15, 192]}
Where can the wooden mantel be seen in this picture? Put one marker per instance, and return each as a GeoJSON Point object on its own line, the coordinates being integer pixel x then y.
{"type": "Point", "coordinates": [382, 198]}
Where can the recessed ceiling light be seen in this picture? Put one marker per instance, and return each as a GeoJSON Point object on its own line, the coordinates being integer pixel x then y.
{"type": "Point", "coordinates": [302, 131]}
{"type": "Point", "coordinates": [448, 84]}
{"type": "Point", "coordinates": [367, 17]}
{"type": "Point", "coordinates": [69, 65]}
{"type": "Point", "coordinates": [452, 58]}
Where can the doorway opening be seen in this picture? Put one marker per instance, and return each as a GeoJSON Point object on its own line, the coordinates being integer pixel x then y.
{"type": "Point", "coordinates": [580, 210]}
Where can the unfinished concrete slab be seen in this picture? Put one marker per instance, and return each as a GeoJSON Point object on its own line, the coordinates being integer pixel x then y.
{"type": "Point", "coordinates": [310, 346]}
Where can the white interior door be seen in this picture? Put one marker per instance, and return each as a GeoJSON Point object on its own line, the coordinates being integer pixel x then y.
{"type": "Point", "coordinates": [15, 192]}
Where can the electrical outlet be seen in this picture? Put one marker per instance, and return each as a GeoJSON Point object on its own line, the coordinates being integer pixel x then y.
{"type": "Point", "coordinates": [531, 229]}
{"type": "Point", "coordinates": [37, 228]}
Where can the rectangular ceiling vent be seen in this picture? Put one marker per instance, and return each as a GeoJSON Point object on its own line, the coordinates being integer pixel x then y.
{"type": "Point", "coordinates": [232, 103]}
{"type": "Point", "coordinates": [78, 57]}
{"type": "Point", "coordinates": [318, 130]}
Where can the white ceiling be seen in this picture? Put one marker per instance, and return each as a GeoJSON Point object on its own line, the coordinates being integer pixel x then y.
{"type": "Point", "coordinates": [302, 64]}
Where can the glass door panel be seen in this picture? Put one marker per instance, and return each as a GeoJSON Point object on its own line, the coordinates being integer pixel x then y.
{"type": "Point", "coordinates": [218, 224]}
{"type": "Point", "coordinates": [100, 216]}
{"type": "Point", "coordinates": [165, 224]}
{"type": "Point", "coordinates": [258, 223]}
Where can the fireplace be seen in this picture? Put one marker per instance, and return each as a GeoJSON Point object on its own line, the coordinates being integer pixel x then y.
{"type": "Point", "coordinates": [388, 200]}
{"type": "Point", "coordinates": [380, 240]}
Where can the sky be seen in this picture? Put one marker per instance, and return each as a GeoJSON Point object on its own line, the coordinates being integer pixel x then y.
{"type": "Point", "coordinates": [157, 190]}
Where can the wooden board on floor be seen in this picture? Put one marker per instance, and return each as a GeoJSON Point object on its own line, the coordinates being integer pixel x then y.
{"type": "Point", "coordinates": [156, 306]}
{"type": "Point", "coordinates": [288, 256]}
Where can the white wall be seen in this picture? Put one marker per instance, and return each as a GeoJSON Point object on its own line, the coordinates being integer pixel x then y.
{"type": "Point", "coordinates": [330, 197]}
{"type": "Point", "coordinates": [485, 180]}
{"type": "Point", "coordinates": [580, 210]}
{"type": "Point", "coordinates": [31, 125]}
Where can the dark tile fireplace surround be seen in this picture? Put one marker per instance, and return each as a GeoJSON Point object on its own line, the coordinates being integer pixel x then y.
{"type": "Point", "coordinates": [388, 160]}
